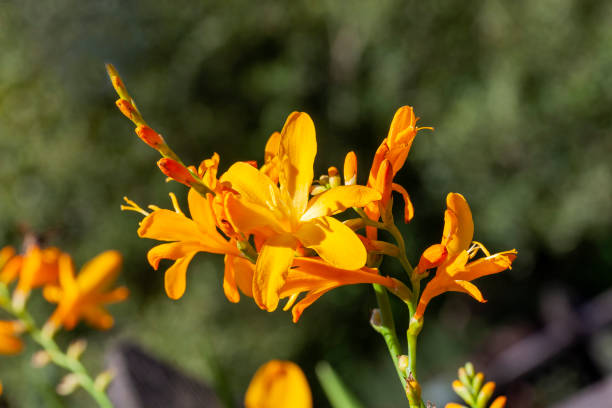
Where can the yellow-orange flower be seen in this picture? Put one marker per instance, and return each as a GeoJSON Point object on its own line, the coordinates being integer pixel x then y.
{"type": "Point", "coordinates": [83, 296]}
{"type": "Point", "coordinates": [283, 217]}
{"type": "Point", "coordinates": [316, 277]}
{"type": "Point", "coordinates": [10, 343]}
{"type": "Point", "coordinates": [278, 384]}
{"type": "Point", "coordinates": [187, 237]}
{"type": "Point", "coordinates": [452, 256]}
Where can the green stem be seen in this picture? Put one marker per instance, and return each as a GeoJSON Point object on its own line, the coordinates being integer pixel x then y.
{"type": "Point", "coordinates": [57, 356]}
{"type": "Point", "coordinates": [387, 328]}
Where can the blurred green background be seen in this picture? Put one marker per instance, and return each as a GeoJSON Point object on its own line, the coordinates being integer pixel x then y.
{"type": "Point", "coordinates": [519, 93]}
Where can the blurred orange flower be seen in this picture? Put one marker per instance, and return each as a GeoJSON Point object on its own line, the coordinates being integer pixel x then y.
{"type": "Point", "coordinates": [278, 384]}
{"type": "Point", "coordinates": [451, 257]}
{"type": "Point", "coordinates": [283, 218]}
{"type": "Point", "coordinates": [83, 296]}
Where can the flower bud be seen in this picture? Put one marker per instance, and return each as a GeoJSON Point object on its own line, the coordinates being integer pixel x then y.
{"type": "Point", "coordinates": [149, 136]}
{"type": "Point", "coordinates": [376, 319]}
{"type": "Point", "coordinates": [68, 384]}
{"type": "Point", "coordinates": [334, 177]}
{"type": "Point", "coordinates": [103, 379]}
{"type": "Point", "coordinates": [463, 392]}
{"type": "Point", "coordinates": [76, 348]}
{"type": "Point", "coordinates": [402, 362]}
{"type": "Point", "coordinates": [40, 359]}
{"type": "Point", "coordinates": [127, 109]}
{"type": "Point", "coordinates": [350, 169]}
{"type": "Point", "coordinates": [384, 182]}
{"type": "Point", "coordinates": [432, 257]}
{"type": "Point", "coordinates": [500, 402]}
{"type": "Point", "coordinates": [485, 393]}
{"type": "Point", "coordinates": [477, 382]}
{"type": "Point", "coordinates": [469, 369]}
{"type": "Point", "coordinates": [176, 171]}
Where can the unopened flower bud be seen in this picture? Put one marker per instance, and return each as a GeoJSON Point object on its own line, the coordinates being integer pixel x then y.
{"type": "Point", "coordinates": [316, 190]}
{"type": "Point", "coordinates": [127, 109]}
{"type": "Point", "coordinates": [149, 136]}
{"type": "Point", "coordinates": [176, 171]}
{"type": "Point", "coordinates": [463, 392]}
{"type": "Point", "coordinates": [103, 379]}
{"type": "Point", "coordinates": [324, 180]}
{"type": "Point", "coordinates": [463, 377]}
{"type": "Point", "coordinates": [432, 257]}
{"type": "Point", "coordinates": [68, 384]}
{"type": "Point", "coordinates": [350, 169]}
{"type": "Point", "coordinates": [40, 359]}
{"type": "Point", "coordinates": [402, 363]}
{"type": "Point", "coordinates": [384, 184]}
{"type": "Point", "coordinates": [116, 81]}
{"type": "Point", "coordinates": [500, 402]}
{"type": "Point", "coordinates": [334, 177]}
{"type": "Point", "coordinates": [76, 348]}
{"type": "Point", "coordinates": [469, 369]}
{"type": "Point", "coordinates": [477, 382]}
{"type": "Point", "coordinates": [485, 393]}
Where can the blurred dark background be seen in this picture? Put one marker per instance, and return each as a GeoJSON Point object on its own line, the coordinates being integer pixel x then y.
{"type": "Point", "coordinates": [519, 93]}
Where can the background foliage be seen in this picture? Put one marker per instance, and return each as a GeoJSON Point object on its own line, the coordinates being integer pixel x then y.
{"type": "Point", "coordinates": [519, 93]}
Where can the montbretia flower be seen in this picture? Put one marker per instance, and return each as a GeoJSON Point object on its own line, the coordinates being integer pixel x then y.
{"type": "Point", "coordinates": [188, 236]}
{"type": "Point", "coordinates": [316, 277]}
{"type": "Point", "coordinates": [83, 296]}
{"type": "Point", "coordinates": [452, 256]}
{"type": "Point", "coordinates": [278, 384]}
{"type": "Point", "coordinates": [282, 217]}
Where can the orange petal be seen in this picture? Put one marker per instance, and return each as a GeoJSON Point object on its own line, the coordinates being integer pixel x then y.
{"type": "Point", "coordinates": [272, 146]}
{"type": "Point", "coordinates": [10, 344]}
{"type": "Point", "coordinates": [350, 169]}
{"type": "Point", "coordinates": [278, 384]}
{"type": "Point", "coordinates": [201, 212]}
{"type": "Point", "coordinates": [462, 240]}
{"type": "Point", "coordinates": [408, 208]}
{"type": "Point", "coordinates": [166, 225]}
{"type": "Point", "coordinates": [175, 279]}
{"type": "Point", "coordinates": [97, 317]}
{"type": "Point", "coordinates": [229, 280]}
{"type": "Point", "coordinates": [11, 269]}
{"type": "Point", "coordinates": [248, 217]}
{"type": "Point", "coordinates": [244, 271]}
{"type": "Point", "coordinates": [252, 185]}
{"type": "Point", "coordinates": [338, 199]}
{"type": "Point", "coordinates": [432, 257]}
{"type": "Point", "coordinates": [309, 299]}
{"type": "Point", "coordinates": [99, 272]}
{"type": "Point", "coordinates": [487, 266]}
{"type": "Point", "coordinates": [173, 251]}
{"type": "Point", "coordinates": [334, 242]}
{"type": "Point", "coordinates": [271, 270]}
{"type": "Point", "coordinates": [469, 288]}
{"type": "Point", "coordinates": [297, 151]}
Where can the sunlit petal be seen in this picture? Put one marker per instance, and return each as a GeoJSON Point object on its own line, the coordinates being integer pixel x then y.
{"type": "Point", "coordinates": [338, 199]}
{"type": "Point", "coordinates": [271, 270]}
{"type": "Point", "coordinates": [166, 225]}
{"type": "Point", "coordinates": [334, 242]}
{"type": "Point", "coordinates": [278, 384]}
{"type": "Point", "coordinates": [251, 184]}
{"type": "Point", "coordinates": [175, 279]}
{"type": "Point", "coordinates": [248, 217]}
{"type": "Point", "coordinates": [487, 266]}
{"type": "Point", "coordinates": [297, 151]}
{"type": "Point", "coordinates": [99, 272]}
{"type": "Point", "coordinates": [465, 231]}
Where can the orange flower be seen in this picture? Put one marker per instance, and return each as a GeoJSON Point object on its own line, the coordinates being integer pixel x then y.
{"type": "Point", "coordinates": [392, 154]}
{"type": "Point", "coordinates": [10, 343]}
{"type": "Point", "coordinates": [283, 217]}
{"type": "Point", "coordinates": [37, 267]}
{"type": "Point", "coordinates": [451, 257]}
{"type": "Point", "coordinates": [186, 238]}
{"type": "Point", "coordinates": [278, 384]}
{"type": "Point", "coordinates": [82, 297]}
{"type": "Point", "coordinates": [316, 277]}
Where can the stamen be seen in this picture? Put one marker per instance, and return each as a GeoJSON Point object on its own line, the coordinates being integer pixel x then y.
{"type": "Point", "coordinates": [132, 206]}
{"type": "Point", "coordinates": [175, 204]}
{"type": "Point", "coordinates": [291, 301]}
{"type": "Point", "coordinates": [475, 247]}
{"type": "Point", "coordinates": [153, 207]}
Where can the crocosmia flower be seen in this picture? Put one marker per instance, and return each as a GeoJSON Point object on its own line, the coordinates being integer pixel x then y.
{"type": "Point", "coordinates": [278, 384]}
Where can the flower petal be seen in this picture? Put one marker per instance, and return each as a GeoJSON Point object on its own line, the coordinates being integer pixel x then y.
{"type": "Point", "coordinates": [175, 279]}
{"type": "Point", "coordinates": [334, 242]}
{"type": "Point", "coordinates": [99, 272]}
{"type": "Point", "coordinates": [487, 266]}
{"type": "Point", "coordinates": [462, 240]}
{"type": "Point", "coordinates": [10, 344]}
{"type": "Point", "coordinates": [308, 300]}
{"type": "Point", "coordinates": [271, 270]}
{"type": "Point", "coordinates": [166, 225]}
{"type": "Point", "coordinates": [338, 199]}
{"type": "Point", "coordinates": [97, 317]}
{"type": "Point", "coordinates": [432, 257]}
{"type": "Point", "coordinates": [252, 185]}
{"type": "Point", "coordinates": [469, 288]}
{"type": "Point", "coordinates": [297, 151]}
{"type": "Point", "coordinates": [249, 218]}
{"type": "Point", "coordinates": [278, 384]}
{"type": "Point", "coordinates": [408, 207]}
{"type": "Point", "coordinates": [201, 212]}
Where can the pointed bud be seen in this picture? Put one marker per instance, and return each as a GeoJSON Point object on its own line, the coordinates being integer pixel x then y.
{"type": "Point", "coordinates": [116, 81]}
{"type": "Point", "coordinates": [76, 348]}
{"type": "Point", "coordinates": [350, 169]}
{"type": "Point", "coordinates": [402, 363]}
{"type": "Point", "coordinates": [68, 384]}
{"type": "Point", "coordinates": [103, 379]}
{"type": "Point", "coordinates": [334, 177]}
{"type": "Point", "coordinates": [469, 369]}
{"type": "Point", "coordinates": [477, 382]}
{"type": "Point", "coordinates": [500, 402]}
{"type": "Point", "coordinates": [127, 109]}
{"type": "Point", "coordinates": [316, 190]}
{"type": "Point", "coordinates": [464, 378]}
{"type": "Point", "coordinates": [149, 136]}
{"type": "Point", "coordinates": [324, 180]}
{"type": "Point", "coordinates": [384, 184]}
{"type": "Point", "coordinates": [40, 359]}
{"type": "Point", "coordinates": [485, 393]}
{"type": "Point", "coordinates": [176, 171]}
{"type": "Point", "coordinates": [463, 392]}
